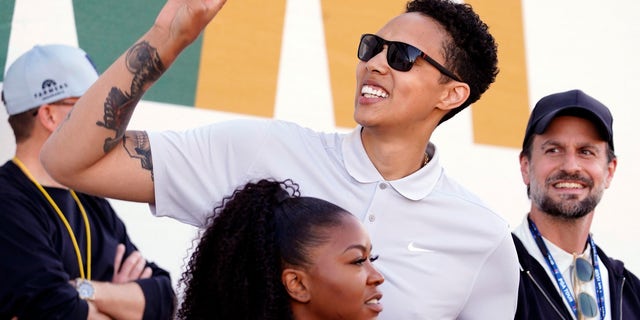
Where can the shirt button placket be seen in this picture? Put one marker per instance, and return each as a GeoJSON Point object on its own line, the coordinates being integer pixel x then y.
{"type": "Point", "coordinates": [372, 216]}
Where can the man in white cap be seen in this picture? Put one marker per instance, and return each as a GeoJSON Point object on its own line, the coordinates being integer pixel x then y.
{"type": "Point", "coordinates": [63, 255]}
{"type": "Point", "coordinates": [567, 161]}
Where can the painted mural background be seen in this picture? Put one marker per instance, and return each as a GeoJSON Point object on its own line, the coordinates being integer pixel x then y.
{"type": "Point", "coordinates": [295, 60]}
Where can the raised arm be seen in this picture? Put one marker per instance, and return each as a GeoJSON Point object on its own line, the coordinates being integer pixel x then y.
{"type": "Point", "coordinates": [92, 151]}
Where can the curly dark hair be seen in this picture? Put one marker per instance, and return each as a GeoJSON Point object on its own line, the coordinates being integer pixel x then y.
{"type": "Point", "coordinates": [235, 271]}
{"type": "Point", "coordinates": [472, 53]}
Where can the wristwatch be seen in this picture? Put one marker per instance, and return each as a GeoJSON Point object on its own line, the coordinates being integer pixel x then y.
{"type": "Point", "coordinates": [85, 289]}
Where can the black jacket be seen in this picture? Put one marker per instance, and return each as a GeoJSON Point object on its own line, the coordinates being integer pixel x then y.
{"type": "Point", "coordinates": [538, 298]}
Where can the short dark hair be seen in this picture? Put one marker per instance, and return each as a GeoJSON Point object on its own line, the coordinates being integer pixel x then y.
{"type": "Point", "coordinates": [22, 124]}
{"type": "Point", "coordinates": [472, 53]}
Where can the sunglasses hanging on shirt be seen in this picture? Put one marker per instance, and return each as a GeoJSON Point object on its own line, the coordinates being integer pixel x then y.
{"type": "Point", "coordinates": [583, 274]}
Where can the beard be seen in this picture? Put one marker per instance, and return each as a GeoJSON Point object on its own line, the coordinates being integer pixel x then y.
{"type": "Point", "coordinates": [569, 207]}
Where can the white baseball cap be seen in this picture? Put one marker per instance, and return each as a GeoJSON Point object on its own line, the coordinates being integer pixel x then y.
{"type": "Point", "coordinates": [46, 74]}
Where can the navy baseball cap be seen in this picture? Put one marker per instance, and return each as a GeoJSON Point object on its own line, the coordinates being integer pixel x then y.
{"type": "Point", "coordinates": [570, 103]}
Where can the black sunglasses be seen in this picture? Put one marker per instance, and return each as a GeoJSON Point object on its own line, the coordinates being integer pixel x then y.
{"type": "Point", "coordinates": [400, 56]}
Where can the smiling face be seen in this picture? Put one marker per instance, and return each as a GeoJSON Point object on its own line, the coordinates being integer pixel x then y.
{"type": "Point", "coordinates": [391, 98]}
{"type": "Point", "coordinates": [568, 169]}
{"type": "Point", "coordinates": [341, 281]}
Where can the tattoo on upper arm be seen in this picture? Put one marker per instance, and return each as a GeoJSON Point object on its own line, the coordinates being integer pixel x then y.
{"type": "Point", "coordinates": [143, 61]}
{"type": "Point", "coordinates": [137, 145]}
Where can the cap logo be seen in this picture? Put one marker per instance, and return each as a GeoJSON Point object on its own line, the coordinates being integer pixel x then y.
{"type": "Point", "coordinates": [50, 88]}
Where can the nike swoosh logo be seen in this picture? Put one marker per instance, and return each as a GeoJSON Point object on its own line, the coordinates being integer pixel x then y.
{"type": "Point", "coordinates": [413, 248]}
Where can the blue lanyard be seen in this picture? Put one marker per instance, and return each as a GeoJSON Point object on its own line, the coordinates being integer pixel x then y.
{"type": "Point", "coordinates": [562, 284]}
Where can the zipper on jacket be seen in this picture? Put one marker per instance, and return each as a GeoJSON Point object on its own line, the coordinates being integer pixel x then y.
{"type": "Point", "coordinates": [544, 293]}
{"type": "Point", "coordinates": [624, 279]}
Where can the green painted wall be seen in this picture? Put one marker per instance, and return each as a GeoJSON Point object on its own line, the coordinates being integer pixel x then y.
{"type": "Point", "coordinates": [107, 28]}
{"type": "Point", "coordinates": [6, 12]}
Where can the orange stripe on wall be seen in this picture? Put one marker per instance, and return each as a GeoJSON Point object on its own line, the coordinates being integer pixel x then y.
{"type": "Point", "coordinates": [344, 22]}
{"type": "Point", "coordinates": [240, 57]}
{"type": "Point", "coordinates": [500, 116]}
{"type": "Point", "coordinates": [241, 50]}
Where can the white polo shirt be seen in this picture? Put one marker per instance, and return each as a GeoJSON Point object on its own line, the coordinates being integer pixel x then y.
{"type": "Point", "coordinates": [443, 253]}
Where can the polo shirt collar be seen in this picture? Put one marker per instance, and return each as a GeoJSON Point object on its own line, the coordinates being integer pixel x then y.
{"type": "Point", "coordinates": [415, 186]}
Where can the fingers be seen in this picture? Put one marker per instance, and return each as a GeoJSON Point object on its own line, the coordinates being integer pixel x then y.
{"type": "Point", "coordinates": [146, 273]}
{"type": "Point", "coordinates": [133, 268]}
{"type": "Point", "coordinates": [133, 265]}
{"type": "Point", "coordinates": [118, 259]}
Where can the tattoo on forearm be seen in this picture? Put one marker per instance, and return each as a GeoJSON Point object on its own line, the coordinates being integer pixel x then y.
{"type": "Point", "coordinates": [138, 147]}
{"type": "Point", "coordinates": [144, 63]}
{"type": "Point", "coordinates": [118, 109]}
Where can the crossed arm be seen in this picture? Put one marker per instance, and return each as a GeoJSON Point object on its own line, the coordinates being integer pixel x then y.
{"type": "Point", "coordinates": [92, 151]}
{"type": "Point", "coordinates": [122, 298]}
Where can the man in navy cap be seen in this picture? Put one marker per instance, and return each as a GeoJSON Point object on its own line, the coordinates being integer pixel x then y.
{"type": "Point", "coordinates": [567, 161]}
{"type": "Point", "coordinates": [63, 255]}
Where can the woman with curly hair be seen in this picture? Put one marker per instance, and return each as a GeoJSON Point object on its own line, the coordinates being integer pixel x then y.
{"type": "Point", "coordinates": [269, 253]}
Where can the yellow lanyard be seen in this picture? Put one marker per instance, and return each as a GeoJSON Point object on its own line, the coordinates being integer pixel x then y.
{"type": "Point", "coordinates": [64, 219]}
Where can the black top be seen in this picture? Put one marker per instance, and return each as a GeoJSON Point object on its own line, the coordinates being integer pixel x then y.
{"type": "Point", "coordinates": [539, 299]}
{"type": "Point", "coordinates": [37, 257]}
